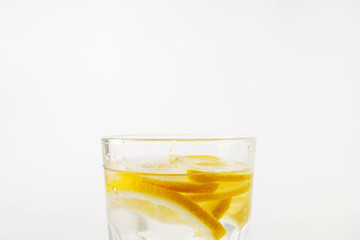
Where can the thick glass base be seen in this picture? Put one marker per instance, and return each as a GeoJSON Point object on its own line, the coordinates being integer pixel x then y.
{"type": "Point", "coordinates": [136, 227]}
{"type": "Point", "coordinates": [235, 234]}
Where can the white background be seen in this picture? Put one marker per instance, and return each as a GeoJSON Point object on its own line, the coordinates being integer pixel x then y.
{"type": "Point", "coordinates": [285, 71]}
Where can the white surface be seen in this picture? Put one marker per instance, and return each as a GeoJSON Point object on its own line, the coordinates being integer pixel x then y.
{"type": "Point", "coordinates": [285, 71]}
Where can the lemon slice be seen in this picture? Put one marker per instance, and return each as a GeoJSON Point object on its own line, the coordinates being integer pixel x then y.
{"type": "Point", "coordinates": [217, 208]}
{"type": "Point", "coordinates": [180, 184]}
{"type": "Point", "coordinates": [173, 182]}
{"type": "Point", "coordinates": [203, 162]}
{"type": "Point", "coordinates": [206, 177]}
{"type": "Point", "coordinates": [161, 203]}
{"type": "Point", "coordinates": [222, 193]}
{"type": "Point", "coordinates": [160, 166]}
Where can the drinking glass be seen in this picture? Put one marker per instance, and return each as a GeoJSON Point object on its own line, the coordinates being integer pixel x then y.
{"type": "Point", "coordinates": [178, 187]}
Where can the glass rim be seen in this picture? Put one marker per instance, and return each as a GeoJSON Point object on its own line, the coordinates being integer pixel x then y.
{"type": "Point", "coordinates": [177, 137]}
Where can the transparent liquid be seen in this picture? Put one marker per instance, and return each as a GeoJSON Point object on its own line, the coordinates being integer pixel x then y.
{"type": "Point", "coordinates": [149, 206]}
